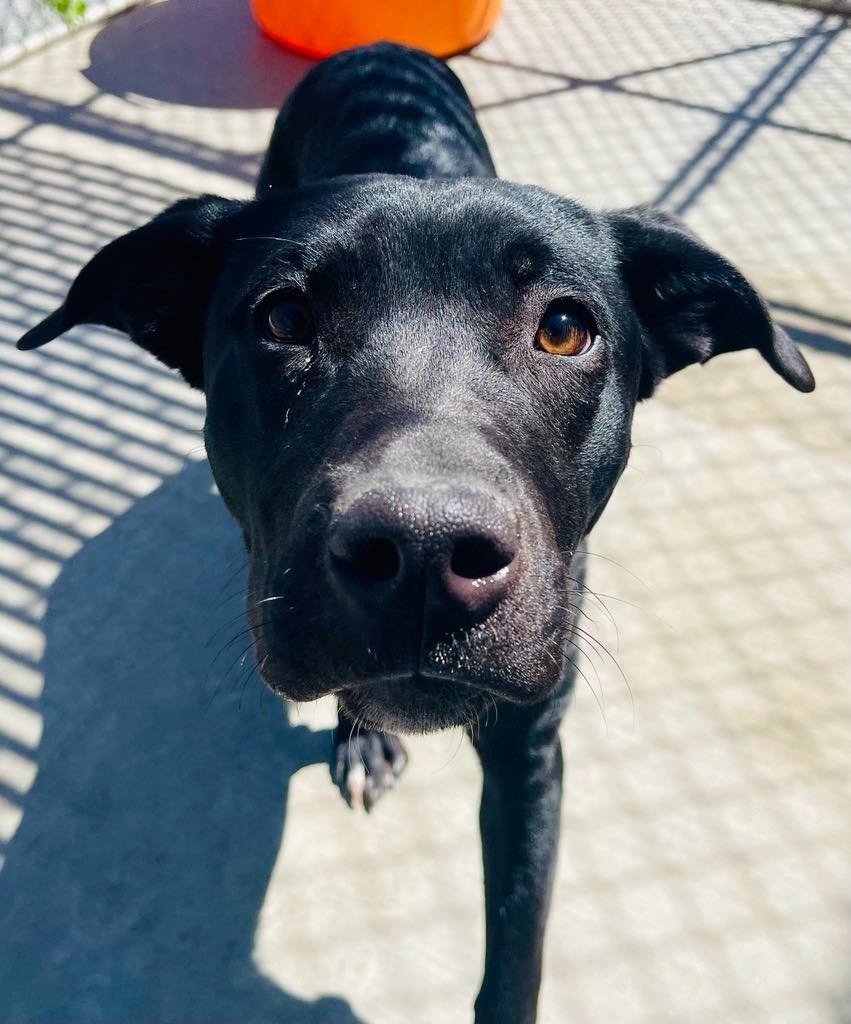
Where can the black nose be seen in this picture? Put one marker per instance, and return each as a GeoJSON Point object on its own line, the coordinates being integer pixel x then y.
{"type": "Point", "coordinates": [461, 544]}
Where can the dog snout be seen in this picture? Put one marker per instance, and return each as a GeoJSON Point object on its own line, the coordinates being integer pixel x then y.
{"type": "Point", "coordinates": [455, 549]}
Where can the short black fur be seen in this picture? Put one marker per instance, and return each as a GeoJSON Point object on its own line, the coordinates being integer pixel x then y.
{"type": "Point", "coordinates": [415, 481]}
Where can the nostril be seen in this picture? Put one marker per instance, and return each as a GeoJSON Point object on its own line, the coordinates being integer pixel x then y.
{"type": "Point", "coordinates": [476, 558]}
{"type": "Point", "coordinates": [371, 559]}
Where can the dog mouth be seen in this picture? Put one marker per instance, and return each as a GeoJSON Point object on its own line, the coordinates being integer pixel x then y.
{"type": "Point", "coordinates": [409, 701]}
{"type": "Point", "coordinates": [390, 686]}
{"type": "Point", "coordinates": [406, 700]}
{"type": "Point", "coordinates": [415, 703]}
{"type": "Point", "coordinates": [414, 648]}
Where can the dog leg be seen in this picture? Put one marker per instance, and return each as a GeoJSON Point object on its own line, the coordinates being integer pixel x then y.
{"type": "Point", "coordinates": [365, 764]}
{"type": "Point", "coordinates": [519, 820]}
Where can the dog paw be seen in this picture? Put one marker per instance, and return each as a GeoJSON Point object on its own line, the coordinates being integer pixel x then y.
{"type": "Point", "coordinates": [365, 765]}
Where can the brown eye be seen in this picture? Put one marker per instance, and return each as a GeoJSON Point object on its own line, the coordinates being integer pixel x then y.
{"type": "Point", "coordinates": [286, 318]}
{"type": "Point", "coordinates": [564, 331]}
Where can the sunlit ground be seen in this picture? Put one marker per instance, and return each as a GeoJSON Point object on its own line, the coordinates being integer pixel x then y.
{"type": "Point", "coordinates": [174, 848]}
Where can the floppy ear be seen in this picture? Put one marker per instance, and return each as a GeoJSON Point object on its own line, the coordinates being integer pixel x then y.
{"type": "Point", "coordinates": [153, 283]}
{"type": "Point", "coordinates": [692, 304]}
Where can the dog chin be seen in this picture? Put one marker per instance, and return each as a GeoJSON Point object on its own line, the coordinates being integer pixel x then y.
{"type": "Point", "coordinates": [404, 703]}
{"type": "Point", "coordinates": [414, 704]}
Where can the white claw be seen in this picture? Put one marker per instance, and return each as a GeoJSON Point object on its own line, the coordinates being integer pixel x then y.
{"type": "Point", "coordinates": [356, 783]}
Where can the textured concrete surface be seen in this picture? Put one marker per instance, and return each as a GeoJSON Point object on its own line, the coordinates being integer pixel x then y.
{"type": "Point", "coordinates": [173, 847]}
{"type": "Point", "coordinates": [27, 25]}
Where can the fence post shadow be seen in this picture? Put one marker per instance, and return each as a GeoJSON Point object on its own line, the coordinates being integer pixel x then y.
{"type": "Point", "coordinates": [132, 887]}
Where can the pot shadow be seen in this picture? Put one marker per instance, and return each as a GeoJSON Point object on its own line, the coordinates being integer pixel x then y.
{"type": "Point", "coordinates": [202, 55]}
{"type": "Point", "coordinates": [132, 887]}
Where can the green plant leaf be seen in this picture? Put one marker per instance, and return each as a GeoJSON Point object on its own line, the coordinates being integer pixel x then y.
{"type": "Point", "coordinates": [69, 10]}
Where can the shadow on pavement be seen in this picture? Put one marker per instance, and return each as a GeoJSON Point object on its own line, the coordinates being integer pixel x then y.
{"type": "Point", "coordinates": [202, 55]}
{"type": "Point", "coordinates": [132, 888]}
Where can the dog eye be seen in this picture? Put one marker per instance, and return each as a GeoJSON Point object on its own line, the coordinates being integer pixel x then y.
{"type": "Point", "coordinates": [285, 317]}
{"type": "Point", "coordinates": [564, 330]}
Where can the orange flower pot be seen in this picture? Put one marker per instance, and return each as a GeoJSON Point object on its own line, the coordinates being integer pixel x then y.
{"type": "Point", "coordinates": [318, 28]}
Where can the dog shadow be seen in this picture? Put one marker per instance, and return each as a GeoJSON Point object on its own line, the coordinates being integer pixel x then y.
{"type": "Point", "coordinates": [202, 55]}
{"type": "Point", "coordinates": [132, 887]}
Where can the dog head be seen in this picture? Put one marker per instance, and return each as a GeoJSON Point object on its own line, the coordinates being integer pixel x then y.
{"type": "Point", "coordinates": [419, 400]}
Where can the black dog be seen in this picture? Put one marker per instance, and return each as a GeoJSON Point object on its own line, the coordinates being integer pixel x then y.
{"type": "Point", "coordinates": [420, 383]}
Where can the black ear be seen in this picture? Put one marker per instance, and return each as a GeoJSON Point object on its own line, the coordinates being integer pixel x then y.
{"type": "Point", "coordinates": [153, 283]}
{"type": "Point", "coordinates": [692, 303]}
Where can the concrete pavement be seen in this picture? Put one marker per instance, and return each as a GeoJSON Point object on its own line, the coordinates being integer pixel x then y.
{"type": "Point", "coordinates": [173, 847]}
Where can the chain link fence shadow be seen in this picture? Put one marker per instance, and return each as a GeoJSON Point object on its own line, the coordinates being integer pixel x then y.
{"type": "Point", "coordinates": [143, 792]}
